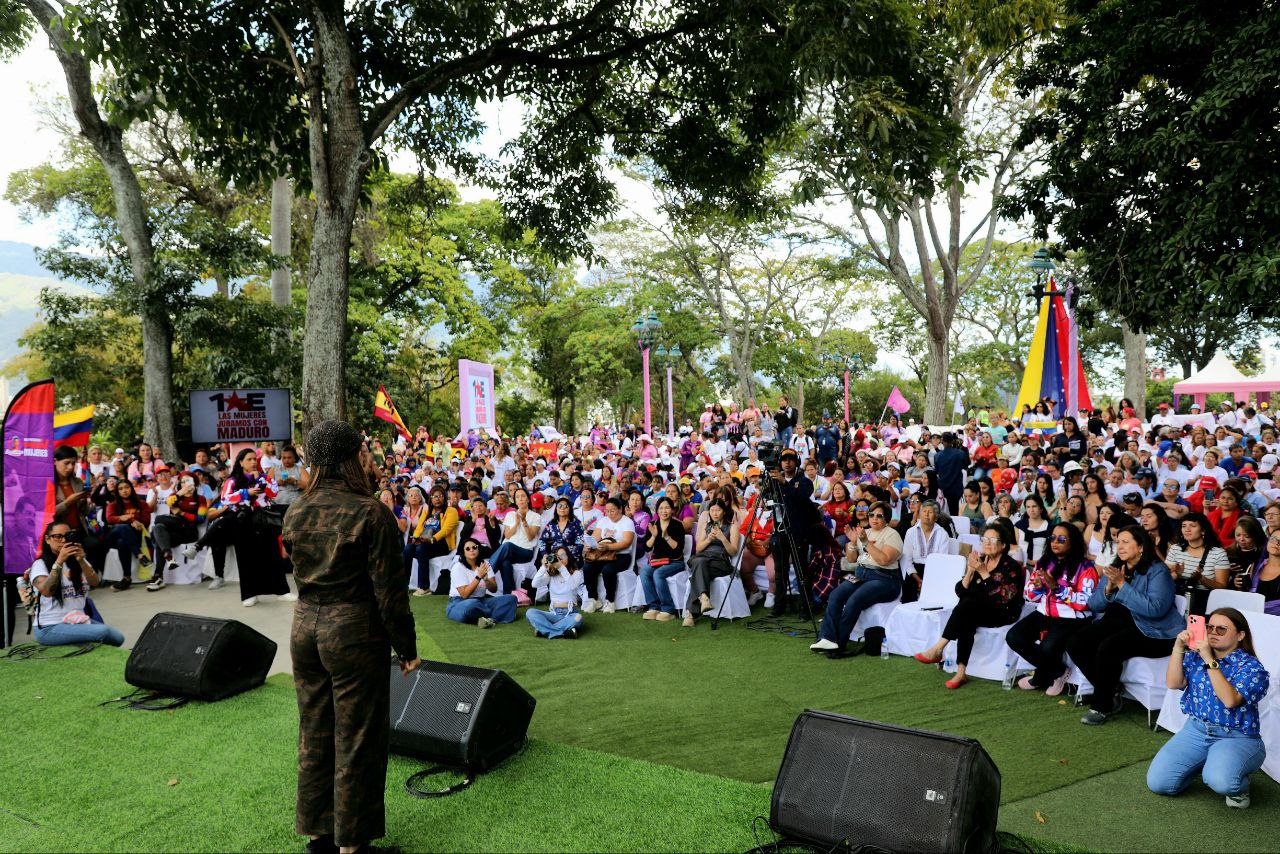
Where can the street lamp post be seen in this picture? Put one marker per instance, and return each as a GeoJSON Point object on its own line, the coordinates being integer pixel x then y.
{"type": "Point", "coordinates": [669, 358]}
{"type": "Point", "coordinates": [646, 331]}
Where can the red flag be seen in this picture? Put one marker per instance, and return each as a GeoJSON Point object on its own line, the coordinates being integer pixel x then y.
{"type": "Point", "coordinates": [897, 402]}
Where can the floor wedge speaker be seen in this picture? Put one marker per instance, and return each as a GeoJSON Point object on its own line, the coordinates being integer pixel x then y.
{"type": "Point", "coordinates": [860, 783]}
{"type": "Point", "coordinates": [451, 714]}
{"type": "Point", "coordinates": [202, 658]}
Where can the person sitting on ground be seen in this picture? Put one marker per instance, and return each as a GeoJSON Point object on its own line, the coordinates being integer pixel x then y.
{"type": "Point", "coordinates": [561, 575]}
{"type": "Point", "coordinates": [474, 597]}
{"type": "Point", "coordinates": [1222, 682]}
{"type": "Point", "coordinates": [63, 576]}
{"type": "Point", "coordinates": [871, 577]}
{"type": "Point", "coordinates": [128, 517]}
{"type": "Point", "coordinates": [1140, 619]}
{"type": "Point", "coordinates": [990, 595]}
{"type": "Point", "coordinates": [1059, 586]}
{"type": "Point", "coordinates": [716, 543]}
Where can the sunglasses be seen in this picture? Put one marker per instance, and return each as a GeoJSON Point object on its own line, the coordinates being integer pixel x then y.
{"type": "Point", "coordinates": [992, 541]}
{"type": "Point", "coordinates": [862, 507]}
{"type": "Point", "coordinates": [1058, 538]}
{"type": "Point", "coordinates": [1218, 631]}
{"type": "Point", "coordinates": [876, 516]}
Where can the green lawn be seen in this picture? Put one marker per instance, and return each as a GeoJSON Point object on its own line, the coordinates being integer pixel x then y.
{"type": "Point", "coordinates": [646, 737]}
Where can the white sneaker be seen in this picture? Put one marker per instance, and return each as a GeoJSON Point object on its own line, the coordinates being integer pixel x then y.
{"type": "Point", "coordinates": [422, 593]}
{"type": "Point", "coordinates": [590, 606]}
{"type": "Point", "coordinates": [823, 644]}
{"type": "Point", "coordinates": [485, 623]}
{"type": "Point", "coordinates": [250, 602]}
{"type": "Point", "coordinates": [1240, 802]}
{"type": "Point", "coordinates": [608, 608]}
{"type": "Point", "coordinates": [768, 600]}
{"type": "Point", "coordinates": [216, 583]}
{"type": "Point", "coordinates": [189, 551]}
{"type": "Point", "coordinates": [754, 599]}
{"type": "Point", "coordinates": [157, 583]}
{"type": "Point", "coordinates": [289, 597]}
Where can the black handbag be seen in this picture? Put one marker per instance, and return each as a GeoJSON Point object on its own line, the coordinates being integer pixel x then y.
{"type": "Point", "coordinates": [269, 519]}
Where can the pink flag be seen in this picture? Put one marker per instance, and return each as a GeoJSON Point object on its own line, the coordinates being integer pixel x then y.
{"type": "Point", "coordinates": [897, 402]}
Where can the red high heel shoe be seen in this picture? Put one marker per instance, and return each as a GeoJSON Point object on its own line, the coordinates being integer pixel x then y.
{"type": "Point", "coordinates": [920, 657]}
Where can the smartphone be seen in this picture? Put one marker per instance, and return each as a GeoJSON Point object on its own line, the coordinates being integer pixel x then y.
{"type": "Point", "coordinates": [1208, 494]}
{"type": "Point", "coordinates": [1195, 631]}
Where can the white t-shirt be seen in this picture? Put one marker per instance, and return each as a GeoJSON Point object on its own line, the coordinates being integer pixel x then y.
{"type": "Point", "coordinates": [461, 575]}
{"type": "Point", "coordinates": [266, 461]}
{"type": "Point", "coordinates": [100, 468]}
{"type": "Point", "coordinates": [161, 495]}
{"type": "Point", "coordinates": [51, 613]}
{"type": "Point", "coordinates": [513, 532]}
{"type": "Point", "coordinates": [607, 528]}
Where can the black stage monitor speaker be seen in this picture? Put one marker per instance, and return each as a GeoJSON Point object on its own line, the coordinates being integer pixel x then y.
{"type": "Point", "coordinates": [465, 717]}
{"type": "Point", "coordinates": [889, 787]}
{"type": "Point", "coordinates": [199, 657]}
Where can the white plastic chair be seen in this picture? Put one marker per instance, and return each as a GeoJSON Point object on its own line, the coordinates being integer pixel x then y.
{"type": "Point", "coordinates": [974, 541]}
{"type": "Point", "coordinates": [913, 626]}
{"type": "Point", "coordinates": [991, 657]}
{"type": "Point", "coordinates": [1241, 600]}
{"type": "Point", "coordinates": [961, 524]}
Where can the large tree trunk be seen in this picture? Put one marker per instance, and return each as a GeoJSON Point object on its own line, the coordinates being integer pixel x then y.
{"type": "Point", "coordinates": [799, 398]}
{"type": "Point", "coordinates": [281, 238]}
{"type": "Point", "coordinates": [1135, 369]}
{"type": "Point", "coordinates": [131, 218]}
{"type": "Point", "coordinates": [937, 403]}
{"type": "Point", "coordinates": [339, 157]}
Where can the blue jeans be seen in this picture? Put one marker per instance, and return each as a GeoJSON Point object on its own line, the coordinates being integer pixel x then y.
{"type": "Point", "coordinates": [504, 560]}
{"type": "Point", "coordinates": [1227, 756]}
{"type": "Point", "coordinates": [653, 581]}
{"type": "Point", "coordinates": [500, 609]}
{"type": "Point", "coordinates": [851, 598]}
{"type": "Point", "coordinates": [418, 552]}
{"type": "Point", "coordinates": [784, 437]}
{"type": "Point", "coordinates": [555, 622]}
{"type": "Point", "coordinates": [64, 633]}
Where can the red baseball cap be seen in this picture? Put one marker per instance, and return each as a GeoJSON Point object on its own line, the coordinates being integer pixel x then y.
{"type": "Point", "coordinates": [1208, 483]}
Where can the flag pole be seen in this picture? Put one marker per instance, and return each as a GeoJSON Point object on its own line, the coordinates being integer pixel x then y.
{"type": "Point", "coordinates": [882, 412]}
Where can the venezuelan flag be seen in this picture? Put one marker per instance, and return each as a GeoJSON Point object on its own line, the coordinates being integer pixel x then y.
{"type": "Point", "coordinates": [1048, 372]}
{"type": "Point", "coordinates": [73, 428]}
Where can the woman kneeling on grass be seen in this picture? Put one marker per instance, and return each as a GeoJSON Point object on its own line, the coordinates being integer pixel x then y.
{"type": "Point", "coordinates": [561, 575]}
{"type": "Point", "coordinates": [1223, 681]}
{"type": "Point", "coordinates": [474, 598]}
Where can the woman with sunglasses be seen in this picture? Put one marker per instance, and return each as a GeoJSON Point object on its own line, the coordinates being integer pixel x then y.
{"type": "Point", "coordinates": [871, 576]}
{"type": "Point", "coordinates": [1265, 578]}
{"type": "Point", "coordinates": [990, 595]}
{"type": "Point", "coordinates": [474, 597]}
{"type": "Point", "coordinates": [1222, 682]}
{"type": "Point", "coordinates": [1140, 619]}
{"type": "Point", "coordinates": [1059, 586]}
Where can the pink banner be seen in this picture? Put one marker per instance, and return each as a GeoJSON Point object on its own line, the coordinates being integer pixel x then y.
{"type": "Point", "coordinates": [28, 474]}
{"type": "Point", "coordinates": [475, 395]}
{"type": "Point", "coordinates": [897, 402]}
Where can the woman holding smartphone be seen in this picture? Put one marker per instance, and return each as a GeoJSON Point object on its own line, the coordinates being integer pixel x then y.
{"type": "Point", "coordinates": [1222, 682]}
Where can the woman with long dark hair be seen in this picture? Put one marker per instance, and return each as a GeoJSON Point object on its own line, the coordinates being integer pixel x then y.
{"type": "Point", "coordinates": [258, 553]}
{"type": "Point", "coordinates": [1059, 586]}
{"type": "Point", "coordinates": [63, 576]}
{"type": "Point", "coordinates": [1222, 682]}
{"type": "Point", "coordinates": [1140, 619]}
{"type": "Point", "coordinates": [561, 576]}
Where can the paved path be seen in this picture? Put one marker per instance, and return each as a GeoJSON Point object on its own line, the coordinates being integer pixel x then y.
{"type": "Point", "coordinates": [130, 610]}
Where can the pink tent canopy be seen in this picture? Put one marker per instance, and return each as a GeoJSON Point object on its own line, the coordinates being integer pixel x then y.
{"type": "Point", "coordinates": [1222, 376]}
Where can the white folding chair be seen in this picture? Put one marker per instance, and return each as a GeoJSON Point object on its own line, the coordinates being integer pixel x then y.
{"type": "Point", "coordinates": [1241, 600]}
{"type": "Point", "coordinates": [991, 657]}
{"type": "Point", "coordinates": [961, 524]}
{"type": "Point", "coordinates": [913, 626]}
{"type": "Point", "coordinates": [974, 541]}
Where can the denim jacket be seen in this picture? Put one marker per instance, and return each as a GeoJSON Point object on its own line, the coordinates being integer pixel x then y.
{"type": "Point", "coordinates": [1149, 596]}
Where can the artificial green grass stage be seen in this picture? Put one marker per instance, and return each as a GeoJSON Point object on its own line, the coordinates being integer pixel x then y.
{"type": "Point", "coordinates": [646, 737]}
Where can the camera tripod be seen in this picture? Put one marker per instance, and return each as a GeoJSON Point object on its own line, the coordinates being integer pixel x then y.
{"type": "Point", "coordinates": [771, 493]}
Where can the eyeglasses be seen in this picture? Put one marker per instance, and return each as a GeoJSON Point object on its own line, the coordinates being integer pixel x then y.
{"type": "Point", "coordinates": [992, 541]}
{"type": "Point", "coordinates": [56, 537]}
{"type": "Point", "coordinates": [1219, 631]}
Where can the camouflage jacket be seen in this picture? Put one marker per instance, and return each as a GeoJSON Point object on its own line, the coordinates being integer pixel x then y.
{"type": "Point", "coordinates": [346, 548]}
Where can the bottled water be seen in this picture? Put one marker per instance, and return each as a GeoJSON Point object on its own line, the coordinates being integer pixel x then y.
{"type": "Point", "coordinates": [1009, 673]}
{"type": "Point", "coordinates": [884, 648]}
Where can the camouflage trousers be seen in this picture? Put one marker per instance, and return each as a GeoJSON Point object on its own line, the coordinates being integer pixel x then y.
{"type": "Point", "coordinates": [340, 655]}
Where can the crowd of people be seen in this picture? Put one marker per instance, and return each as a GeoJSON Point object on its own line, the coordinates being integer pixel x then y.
{"type": "Point", "coordinates": [1089, 532]}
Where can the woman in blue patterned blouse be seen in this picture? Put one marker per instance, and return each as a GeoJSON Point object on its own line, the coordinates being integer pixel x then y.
{"type": "Point", "coordinates": [1224, 681]}
{"type": "Point", "coordinates": [564, 529]}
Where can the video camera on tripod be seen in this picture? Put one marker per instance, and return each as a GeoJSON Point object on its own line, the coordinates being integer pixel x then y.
{"type": "Point", "coordinates": [770, 454]}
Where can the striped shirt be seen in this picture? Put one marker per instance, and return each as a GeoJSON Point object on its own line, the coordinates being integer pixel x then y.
{"type": "Point", "coordinates": [1215, 561]}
